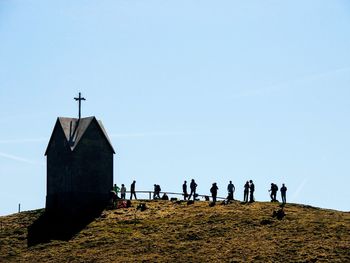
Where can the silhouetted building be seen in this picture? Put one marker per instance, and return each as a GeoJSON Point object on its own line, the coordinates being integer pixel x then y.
{"type": "Point", "coordinates": [79, 166]}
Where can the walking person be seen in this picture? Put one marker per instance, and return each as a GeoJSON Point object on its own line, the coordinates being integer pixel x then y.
{"type": "Point", "coordinates": [252, 189]}
{"type": "Point", "coordinates": [283, 193]}
{"type": "Point", "coordinates": [156, 194]}
{"type": "Point", "coordinates": [132, 190]}
{"type": "Point", "coordinates": [246, 192]}
{"type": "Point", "coordinates": [122, 191]}
{"type": "Point", "coordinates": [230, 189]}
{"type": "Point", "coordinates": [193, 187]}
{"type": "Point", "coordinates": [214, 192]}
{"type": "Point", "coordinates": [184, 190]}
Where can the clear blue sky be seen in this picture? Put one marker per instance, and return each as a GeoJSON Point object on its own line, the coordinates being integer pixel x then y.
{"type": "Point", "coordinates": [210, 90]}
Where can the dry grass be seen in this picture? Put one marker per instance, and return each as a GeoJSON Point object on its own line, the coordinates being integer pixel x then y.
{"type": "Point", "coordinates": [168, 232]}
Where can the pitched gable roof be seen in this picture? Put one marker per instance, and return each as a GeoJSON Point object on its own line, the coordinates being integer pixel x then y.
{"type": "Point", "coordinates": [74, 130]}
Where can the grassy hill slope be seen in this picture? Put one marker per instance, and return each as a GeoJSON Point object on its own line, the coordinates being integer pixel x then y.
{"type": "Point", "coordinates": [169, 232]}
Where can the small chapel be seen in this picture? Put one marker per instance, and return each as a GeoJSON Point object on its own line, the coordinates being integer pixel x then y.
{"type": "Point", "coordinates": [79, 166]}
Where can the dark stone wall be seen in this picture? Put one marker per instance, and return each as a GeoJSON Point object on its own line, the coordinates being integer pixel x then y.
{"type": "Point", "coordinates": [79, 182]}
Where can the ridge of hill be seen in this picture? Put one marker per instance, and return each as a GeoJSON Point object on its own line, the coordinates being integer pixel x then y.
{"type": "Point", "coordinates": [177, 232]}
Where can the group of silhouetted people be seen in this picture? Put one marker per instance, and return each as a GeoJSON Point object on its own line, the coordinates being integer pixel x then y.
{"type": "Point", "coordinates": [249, 189]}
{"type": "Point", "coordinates": [273, 193]}
{"type": "Point", "coordinates": [248, 194]}
{"type": "Point", "coordinates": [193, 188]}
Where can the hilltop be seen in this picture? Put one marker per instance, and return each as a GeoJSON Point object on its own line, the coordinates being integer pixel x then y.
{"type": "Point", "coordinates": [171, 232]}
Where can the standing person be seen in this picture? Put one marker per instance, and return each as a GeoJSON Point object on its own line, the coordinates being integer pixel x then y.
{"type": "Point", "coordinates": [283, 193]}
{"type": "Point", "coordinates": [184, 190]}
{"type": "Point", "coordinates": [252, 189]}
{"type": "Point", "coordinates": [246, 192]}
{"type": "Point", "coordinates": [193, 187]}
{"type": "Point", "coordinates": [116, 189]}
{"type": "Point", "coordinates": [122, 191]}
{"type": "Point", "coordinates": [230, 189]}
{"type": "Point", "coordinates": [158, 191]}
{"type": "Point", "coordinates": [132, 190]}
{"type": "Point", "coordinates": [214, 192]}
{"type": "Point", "coordinates": [273, 190]}
{"type": "Point", "coordinates": [154, 191]}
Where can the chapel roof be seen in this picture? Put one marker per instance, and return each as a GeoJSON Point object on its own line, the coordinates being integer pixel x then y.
{"type": "Point", "coordinates": [74, 129]}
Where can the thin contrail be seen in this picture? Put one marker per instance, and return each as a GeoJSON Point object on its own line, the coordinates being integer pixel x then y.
{"type": "Point", "coordinates": [299, 189]}
{"type": "Point", "coordinates": [19, 159]}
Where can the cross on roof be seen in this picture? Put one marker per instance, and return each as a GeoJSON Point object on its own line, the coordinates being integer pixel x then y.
{"type": "Point", "coordinates": [79, 99]}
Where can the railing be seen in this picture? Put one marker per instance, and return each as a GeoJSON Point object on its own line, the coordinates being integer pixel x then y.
{"type": "Point", "coordinates": [151, 193]}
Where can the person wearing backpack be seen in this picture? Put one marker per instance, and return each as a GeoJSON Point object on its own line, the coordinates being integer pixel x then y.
{"type": "Point", "coordinates": [156, 194]}
{"type": "Point", "coordinates": [273, 190]}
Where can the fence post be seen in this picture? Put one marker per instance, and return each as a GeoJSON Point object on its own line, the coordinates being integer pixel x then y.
{"type": "Point", "coordinates": [19, 208]}
{"type": "Point", "coordinates": [150, 197]}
